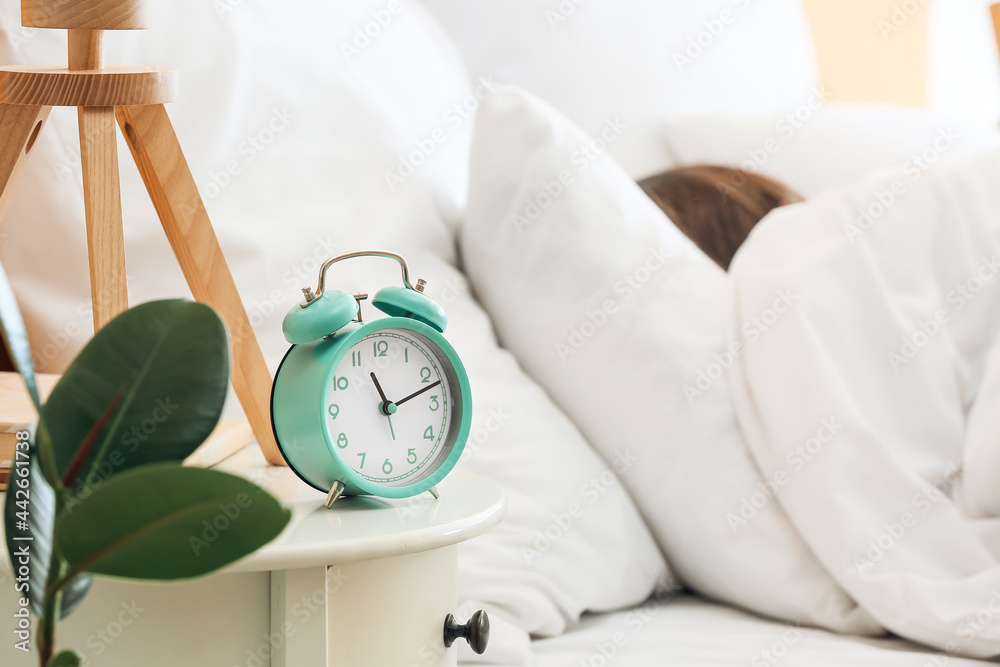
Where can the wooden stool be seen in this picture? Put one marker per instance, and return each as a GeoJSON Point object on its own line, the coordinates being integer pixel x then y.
{"type": "Point", "coordinates": [135, 97]}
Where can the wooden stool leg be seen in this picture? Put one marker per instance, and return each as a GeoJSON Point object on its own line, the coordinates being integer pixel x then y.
{"type": "Point", "coordinates": [995, 13]}
{"type": "Point", "coordinates": [103, 202]}
{"type": "Point", "coordinates": [19, 128]}
{"type": "Point", "coordinates": [157, 153]}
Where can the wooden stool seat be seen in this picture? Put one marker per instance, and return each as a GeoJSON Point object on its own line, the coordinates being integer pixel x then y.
{"type": "Point", "coordinates": [85, 14]}
{"type": "Point", "coordinates": [113, 86]}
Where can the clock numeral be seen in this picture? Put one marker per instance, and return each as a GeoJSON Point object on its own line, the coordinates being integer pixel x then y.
{"type": "Point", "coordinates": [334, 410]}
{"type": "Point", "coordinates": [387, 467]}
{"type": "Point", "coordinates": [340, 383]}
{"type": "Point", "coordinates": [381, 348]}
{"type": "Point", "coordinates": [342, 441]}
{"type": "Point", "coordinates": [356, 358]}
{"type": "Point", "coordinates": [435, 405]}
{"type": "Point", "coordinates": [429, 433]}
{"type": "Point", "coordinates": [362, 455]}
{"type": "Point", "coordinates": [411, 456]}
{"type": "Point", "coordinates": [406, 355]}
{"type": "Point", "coordinates": [425, 375]}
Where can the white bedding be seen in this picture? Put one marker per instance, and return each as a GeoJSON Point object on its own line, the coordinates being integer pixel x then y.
{"type": "Point", "coordinates": [869, 402]}
{"type": "Point", "coordinates": [691, 632]}
{"type": "Point", "coordinates": [806, 471]}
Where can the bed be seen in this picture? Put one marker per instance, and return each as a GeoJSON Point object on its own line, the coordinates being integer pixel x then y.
{"type": "Point", "coordinates": [690, 631]}
{"type": "Point", "coordinates": [393, 124]}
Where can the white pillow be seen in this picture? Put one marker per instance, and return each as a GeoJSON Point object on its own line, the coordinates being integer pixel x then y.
{"type": "Point", "coordinates": [626, 324]}
{"type": "Point", "coordinates": [815, 149]}
{"type": "Point", "coordinates": [639, 60]}
{"type": "Point", "coordinates": [572, 540]}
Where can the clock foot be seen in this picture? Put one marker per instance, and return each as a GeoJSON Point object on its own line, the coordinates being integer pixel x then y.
{"type": "Point", "coordinates": [335, 492]}
{"type": "Point", "coordinates": [434, 492]}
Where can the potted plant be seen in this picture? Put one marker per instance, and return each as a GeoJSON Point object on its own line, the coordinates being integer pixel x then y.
{"type": "Point", "coordinates": [98, 487]}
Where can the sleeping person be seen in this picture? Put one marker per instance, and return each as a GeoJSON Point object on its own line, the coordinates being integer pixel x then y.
{"type": "Point", "coordinates": [716, 207]}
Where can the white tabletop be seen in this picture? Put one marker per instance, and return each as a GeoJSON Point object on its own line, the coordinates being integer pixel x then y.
{"type": "Point", "coordinates": [363, 528]}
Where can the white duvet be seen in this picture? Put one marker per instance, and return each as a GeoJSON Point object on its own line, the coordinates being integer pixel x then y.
{"type": "Point", "coordinates": [868, 393]}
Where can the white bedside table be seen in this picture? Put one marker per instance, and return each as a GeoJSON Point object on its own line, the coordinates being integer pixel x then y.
{"type": "Point", "coordinates": [366, 584]}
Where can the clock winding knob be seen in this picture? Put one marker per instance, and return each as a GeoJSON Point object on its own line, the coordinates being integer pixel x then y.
{"type": "Point", "coordinates": [476, 631]}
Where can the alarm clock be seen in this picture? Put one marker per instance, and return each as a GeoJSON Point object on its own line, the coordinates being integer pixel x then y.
{"type": "Point", "coordinates": [380, 408]}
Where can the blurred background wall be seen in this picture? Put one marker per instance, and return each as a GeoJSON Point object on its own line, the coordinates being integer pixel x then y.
{"type": "Point", "coordinates": [936, 53]}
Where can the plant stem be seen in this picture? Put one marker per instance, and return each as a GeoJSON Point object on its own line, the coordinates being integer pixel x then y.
{"type": "Point", "coordinates": [50, 611]}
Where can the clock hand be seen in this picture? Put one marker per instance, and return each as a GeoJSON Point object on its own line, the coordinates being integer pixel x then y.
{"type": "Point", "coordinates": [415, 394]}
{"type": "Point", "coordinates": [391, 430]}
{"type": "Point", "coordinates": [386, 407]}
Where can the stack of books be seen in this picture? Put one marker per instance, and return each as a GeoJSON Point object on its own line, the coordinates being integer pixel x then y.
{"type": "Point", "coordinates": [17, 413]}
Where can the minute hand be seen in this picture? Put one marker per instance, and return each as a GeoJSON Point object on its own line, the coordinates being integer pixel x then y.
{"type": "Point", "coordinates": [417, 393]}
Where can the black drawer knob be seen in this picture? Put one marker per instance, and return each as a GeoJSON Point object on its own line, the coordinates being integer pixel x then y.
{"type": "Point", "coordinates": [476, 631]}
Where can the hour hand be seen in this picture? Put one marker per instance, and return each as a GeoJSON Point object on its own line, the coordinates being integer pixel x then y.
{"type": "Point", "coordinates": [386, 407]}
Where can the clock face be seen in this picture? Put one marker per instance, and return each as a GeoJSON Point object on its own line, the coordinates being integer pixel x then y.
{"type": "Point", "coordinates": [390, 407]}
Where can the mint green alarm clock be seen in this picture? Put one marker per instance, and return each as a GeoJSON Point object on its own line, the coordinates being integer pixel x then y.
{"type": "Point", "coordinates": [378, 408]}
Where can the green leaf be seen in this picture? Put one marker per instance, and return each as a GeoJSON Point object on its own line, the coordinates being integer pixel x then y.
{"type": "Point", "coordinates": [15, 336]}
{"type": "Point", "coordinates": [166, 522]}
{"type": "Point", "coordinates": [169, 361]}
{"type": "Point", "coordinates": [41, 514]}
{"type": "Point", "coordinates": [65, 659]}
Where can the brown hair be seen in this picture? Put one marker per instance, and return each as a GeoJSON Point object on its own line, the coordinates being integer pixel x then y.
{"type": "Point", "coordinates": [716, 207]}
